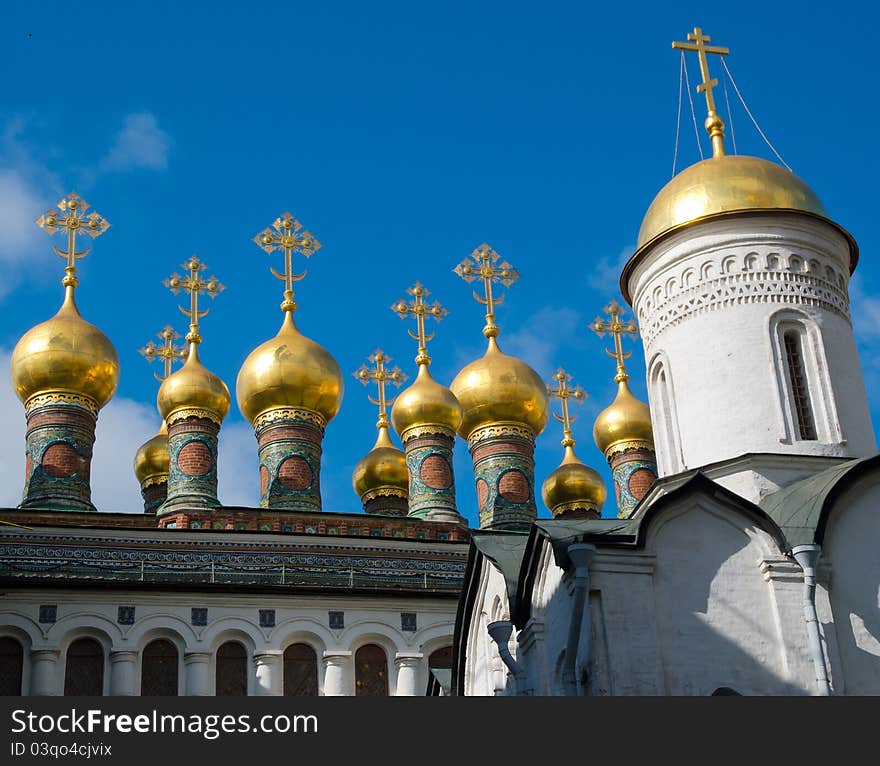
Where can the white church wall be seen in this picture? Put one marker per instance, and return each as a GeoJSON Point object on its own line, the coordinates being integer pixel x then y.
{"type": "Point", "coordinates": [485, 674]}
{"type": "Point", "coordinates": [853, 590]}
{"type": "Point", "coordinates": [709, 302]}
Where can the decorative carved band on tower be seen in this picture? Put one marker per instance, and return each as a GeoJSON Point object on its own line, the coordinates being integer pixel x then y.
{"type": "Point", "coordinates": [193, 403]}
{"type": "Point", "coordinates": [426, 416]}
{"type": "Point", "coordinates": [289, 388]}
{"type": "Point", "coordinates": [504, 407]}
{"type": "Point", "coordinates": [64, 370]}
{"type": "Point", "coordinates": [623, 431]}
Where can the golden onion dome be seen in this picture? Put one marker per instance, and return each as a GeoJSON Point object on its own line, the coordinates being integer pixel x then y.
{"type": "Point", "coordinates": [193, 386]}
{"type": "Point", "coordinates": [67, 354]}
{"type": "Point", "coordinates": [572, 486]}
{"type": "Point", "coordinates": [425, 402]}
{"type": "Point", "coordinates": [726, 184]}
{"type": "Point", "coordinates": [626, 420]}
{"type": "Point", "coordinates": [498, 387]}
{"type": "Point", "coordinates": [151, 460]}
{"type": "Point", "coordinates": [383, 467]}
{"type": "Point", "coordinates": [290, 370]}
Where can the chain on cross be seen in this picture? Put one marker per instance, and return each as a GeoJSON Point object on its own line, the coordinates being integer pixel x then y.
{"type": "Point", "coordinates": [167, 352]}
{"type": "Point", "coordinates": [564, 392]}
{"type": "Point", "coordinates": [195, 285]}
{"type": "Point", "coordinates": [420, 310]}
{"type": "Point", "coordinates": [286, 234]}
{"type": "Point", "coordinates": [381, 375]}
{"type": "Point", "coordinates": [74, 221]}
{"type": "Point", "coordinates": [481, 264]}
{"type": "Point", "coordinates": [714, 123]}
{"type": "Point", "coordinates": [617, 329]}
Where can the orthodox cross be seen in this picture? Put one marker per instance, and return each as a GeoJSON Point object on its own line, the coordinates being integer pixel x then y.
{"type": "Point", "coordinates": [167, 352]}
{"type": "Point", "coordinates": [74, 221]}
{"type": "Point", "coordinates": [617, 330]}
{"type": "Point", "coordinates": [419, 309]}
{"type": "Point", "coordinates": [563, 392]}
{"type": "Point", "coordinates": [380, 375]}
{"type": "Point", "coordinates": [286, 233]}
{"type": "Point", "coordinates": [714, 123]}
{"type": "Point", "coordinates": [481, 265]}
{"type": "Point", "coordinates": [195, 286]}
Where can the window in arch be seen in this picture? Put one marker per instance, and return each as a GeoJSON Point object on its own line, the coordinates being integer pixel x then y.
{"type": "Point", "coordinates": [84, 670]}
{"type": "Point", "coordinates": [231, 670]}
{"type": "Point", "coordinates": [300, 671]}
{"type": "Point", "coordinates": [800, 392]}
{"type": "Point", "coordinates": [11, 666]}
{"type": "Point", "coordinates": [441, 659]}
{"type": "Point", "coordinates": [371, 672]}
{"type": "Point", "coordinates": [666, 439]}
{"type": "Point", "coordinates": [159, 666]}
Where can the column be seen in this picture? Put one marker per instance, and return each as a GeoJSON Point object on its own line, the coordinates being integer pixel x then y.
{"type": "Point", "coordinates": [268, 670]}
{"type": "Point", "coordinates": [44, 673]}
{"type": "Point", "coordinates": [428, 451]}
{"type": "Point", "coordinates": [338, 674]}
{"type": "Point", "coordinates": [123, 671]}
{"type": "Point", "coordinates": [408, 665]}
{"type": "Point", "coordinates": [198, 679]}
{"type": "Point", "coordinates": [192, 460]}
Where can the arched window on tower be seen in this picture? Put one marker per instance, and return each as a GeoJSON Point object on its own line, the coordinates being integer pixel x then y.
{"type": "Point", "coordinates": [371, 671]}
{"type": "Point", "coordinates": [663, 416]}
{"type": "Point", "coordinates": [84, 670]}
{"type": "Point", "coordinates": [11, 667]}
{"type": "Point", "coordinates": [801, 402]}
{"type": "Point", "coordinates": [231, 670]}
{"type": "Point", "coordinates": [300, 671]}
{"type": "Point", "coordinates": [159, 666]}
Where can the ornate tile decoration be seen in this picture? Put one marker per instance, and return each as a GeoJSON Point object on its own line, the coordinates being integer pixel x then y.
{"type": "Point", "coordinates": [48, 613]}
{"type": "Point", "coordinates": [125, 615]}
{"type": "Point", "coordinates": [408, 622]}
{"type": "Point", "coordinates": [267, 618]}
{"type": "Point", "coordinates": [337, 620]}
{"type": "Point", "coordinates": [199, 616]}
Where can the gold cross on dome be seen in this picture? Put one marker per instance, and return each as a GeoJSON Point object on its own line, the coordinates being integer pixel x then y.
{"type": "Point", "coordinates": [286, 234]}
{"type": "Point", "coordinates": [617, 329]}
{"type": "Point", "coordinates": [167, 352]}
{"type": "Point", "coordinates": [419, 309]}
{"type": "Point", "coordinates": [74, 221]}
{"type": "Point", "coordinates": [564, 392]}
{"type": "Point", "coordinates": [380, 375]}
{"type": "Point", "coordinates": [714, 123]}
{"type": "Point", "coordinates": [195, 285]}
{"type": "Point", "coordinates": [481, 265]}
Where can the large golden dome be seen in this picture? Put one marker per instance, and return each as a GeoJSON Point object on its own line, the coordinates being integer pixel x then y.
{"type": "Point", "coordinates": [151, 461]}
{"type": "Point", "coordinates": [290, 370]}
{"type": "Point", "coordinates": [193, 386]}
{"type": "Point", "coordinates": [573, 486]}
{"type": "Point", "coordinates": [425, 402]}
{"type": "Point", "coordinates": [65, 354]}
{"type": "Point", "coordinates": [382, 468]}
{"type": "Point", "coordinates": [498, 387]}
{"type": "Point", "coordinates": [726, 184]}
{"type": "Point", "coordinates": [626, 420]}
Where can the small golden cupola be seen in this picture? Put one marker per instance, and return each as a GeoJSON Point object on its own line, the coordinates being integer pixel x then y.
{"type": "Point", "coordinates": [193, 403]}
{"type": "Point", "coordinates": [623, 430]}
{"type": "Point", "coordinates": [504, 407]}
{"type": "Point", "coordinates": [573, 490]}
{"type": "Point", "coordinates": [151, 460]}
{"type": "Point", "coordinates": [426, 416]}
{"type": "Point", "coordinates": [289, 388]}
{"type": "Point", "coordinates": [64, 370]}
{"type": "Point", "coordinates": [380, 478]}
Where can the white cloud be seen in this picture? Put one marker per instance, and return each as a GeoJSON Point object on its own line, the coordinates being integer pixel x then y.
{"type": "Point", "coordinates": [238, 466]}
{"type": "Point", "coordinates": [140, 144]}
{"type": "Point", "coordinates": [606, 271]}
{"type": "Point", "coordinates": [541, 337]}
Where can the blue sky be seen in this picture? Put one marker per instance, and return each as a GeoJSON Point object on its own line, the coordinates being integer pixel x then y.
{"type": "Point", "coordinates": [403, 135]}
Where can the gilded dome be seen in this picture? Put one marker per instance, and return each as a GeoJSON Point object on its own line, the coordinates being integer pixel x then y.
{"type": "Point", "coordinates": [425, 401]}
{"type": "Point", "coordinates": [290, 370]}
{"type": "Point", "coordinates": [498, 387]}
{"type": "Point", "coordinates": [726, 184]}
{"type": "Point", "coordinates": [151, 460]}
{"type": "Point", "coordinates": [65, 353]}
{"type": "Point", "coordinates": [626, 420]}
{"type": "Point", "coordinates": [193, 386]}
{"type": "Point", "coordinates": [573, 485]}
{"type": "Point", "coordinates": [383, 467]}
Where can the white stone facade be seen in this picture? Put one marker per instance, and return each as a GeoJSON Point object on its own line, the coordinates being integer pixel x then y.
{"type": "Point", "coordinates": [712, 303]}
